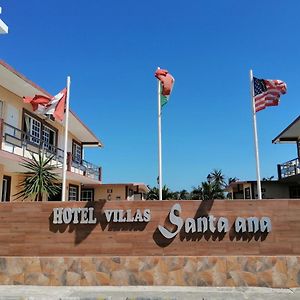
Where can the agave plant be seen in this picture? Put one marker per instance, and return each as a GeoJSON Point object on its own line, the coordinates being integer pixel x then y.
{"type": "Point", "coordinates": [39, 180]}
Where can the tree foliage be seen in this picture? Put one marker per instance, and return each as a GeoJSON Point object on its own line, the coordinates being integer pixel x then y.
{"type": "Point", "coordinates": [218, 178]}
{"type": "Point", "coordinates": [153, 193]}
{"type": "Point", "coordinates": [212, 188]}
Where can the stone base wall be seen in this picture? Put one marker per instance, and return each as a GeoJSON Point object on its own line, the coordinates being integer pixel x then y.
{"type": "Point", "coordinates": [232, 271]}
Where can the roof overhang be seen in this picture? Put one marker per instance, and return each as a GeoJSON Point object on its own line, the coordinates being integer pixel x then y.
{"type": "Point", "coordinates": [3, 26]}
{"type": "Point", "coordinates": [290, 134]}
{"type": "Point", "coordinates": [234, 184]}
{"type": "Point", "coordinates": [21, 86]}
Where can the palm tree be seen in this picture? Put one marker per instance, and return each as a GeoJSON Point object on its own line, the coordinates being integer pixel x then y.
{"type": "Point", "coordinates": [175, 196]}
{"type": "Point", "coordinates": [207, 191]}
{"type": "Point", "coordinates": [197, 193]}
{"type": "Point", "coordinates": [218, 178]}
{"type": "Point", "coordinates": [268, 178]}
{"type": "Point", "coordinates": [211, 190]}
{"type": "Point", "coordinates": [153, 193]}
{"type": "Point", "coordinates": [232, 179]}
{"type": "Point", "coordinates": [39, 180]}
{"type": "Point", "coordinates": [184, 195]}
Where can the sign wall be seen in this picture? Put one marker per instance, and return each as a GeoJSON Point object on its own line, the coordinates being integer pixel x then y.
{"type": "Point", "coordinates": [151, 228]}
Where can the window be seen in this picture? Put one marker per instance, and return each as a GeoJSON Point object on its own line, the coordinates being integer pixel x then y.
{"type": "Point", "coordinates": [38, 130]}
{"type": "Point", "coordinates": [73, 192]}
{"type": "Point", "coordinates": [77, 152]}
{"type": "Point", "coordinates": [49, 138]}
{"type": "Point", "coordinates": [87, 194]}
{"type": "Point", "coordinates": [33, 128]}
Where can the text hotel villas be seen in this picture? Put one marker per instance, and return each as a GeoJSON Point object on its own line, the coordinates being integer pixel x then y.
{"type": "Point", "coordinates": [23, 133]}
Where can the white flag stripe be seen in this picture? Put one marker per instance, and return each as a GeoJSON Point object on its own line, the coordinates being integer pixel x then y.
{"type": "Point", "coordinates": [50, 108]}
{"type": "Point", "coordinates": [52, 105]}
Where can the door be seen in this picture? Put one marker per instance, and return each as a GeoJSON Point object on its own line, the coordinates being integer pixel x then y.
{"type": "Point", "coordinates": [12, 115]}
{"type": "Point", "coordinates": [12, 119]}
{"type": "Point", "coordinates": [6, 185]}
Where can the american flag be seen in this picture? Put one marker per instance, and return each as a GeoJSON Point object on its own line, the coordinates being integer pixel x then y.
{"type": "Point", "coordinates": [267, 92]}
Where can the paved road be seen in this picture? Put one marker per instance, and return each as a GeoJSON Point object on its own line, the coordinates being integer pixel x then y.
{"type": "Point", "coordinates": [144, 293]}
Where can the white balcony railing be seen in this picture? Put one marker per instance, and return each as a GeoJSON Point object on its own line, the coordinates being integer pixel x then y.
{"type": "Point", "coordinates": [289, 168]}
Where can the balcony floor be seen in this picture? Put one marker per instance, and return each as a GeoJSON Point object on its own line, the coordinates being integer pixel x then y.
{"type": "Point", "coordinates": [11, 164]}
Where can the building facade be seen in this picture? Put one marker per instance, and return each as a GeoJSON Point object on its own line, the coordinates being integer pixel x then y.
{"type": "Point", "coordinates": [24, 133]}
{"type": "Point", "coordinates": [289, 171]}
{"type": "Point", "coordinates": [271, 189]}
{"type": "Point", "coordinates": [290, 135]}
{"type": "Point", "coordinates": [118, 191]}
{"type": "Point", "coordinates": [288, 183]}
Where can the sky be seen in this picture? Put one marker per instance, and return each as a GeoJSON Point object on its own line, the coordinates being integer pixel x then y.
{"type": "Point", "coordinates": [111, 50]}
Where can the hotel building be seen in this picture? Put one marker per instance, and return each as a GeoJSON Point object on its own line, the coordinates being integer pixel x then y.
{"type": "Point", "coordinates": [24, 133]}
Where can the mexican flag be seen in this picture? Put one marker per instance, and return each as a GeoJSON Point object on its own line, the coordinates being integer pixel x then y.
{"type": "Point", "coordinates": [166, 85]}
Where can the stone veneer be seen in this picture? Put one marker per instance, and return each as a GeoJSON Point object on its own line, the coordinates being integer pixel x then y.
{"type": "Point", "coordinates": [268, 271]}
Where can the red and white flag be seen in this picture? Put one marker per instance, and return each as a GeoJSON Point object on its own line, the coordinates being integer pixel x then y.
{"type": "Point", "coordinates": [54, 106]}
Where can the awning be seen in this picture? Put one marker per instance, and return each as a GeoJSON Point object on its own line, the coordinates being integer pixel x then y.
{"type": "Point", "coordinates": [289, 134]}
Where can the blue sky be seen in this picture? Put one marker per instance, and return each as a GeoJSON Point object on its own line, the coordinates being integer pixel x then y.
{"type": "Point", "coordinates": [111, 50]}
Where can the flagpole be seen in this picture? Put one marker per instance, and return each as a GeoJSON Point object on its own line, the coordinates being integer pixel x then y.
{"type": "Point", "coordinates": [255, 136]}
{"type": "Point", "coordinates": [63, 194]}
{"type": "Point", "coordinates": [159, 140]}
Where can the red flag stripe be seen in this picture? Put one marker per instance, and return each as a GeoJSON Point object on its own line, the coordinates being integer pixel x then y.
{"type": "Point", "coordinates": [49, 106]}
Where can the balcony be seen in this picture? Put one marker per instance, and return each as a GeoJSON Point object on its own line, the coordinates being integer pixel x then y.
{"type": "Point", "coordinates": [289, 168]}
{"type": "Point", "coordinates": [16, 141]}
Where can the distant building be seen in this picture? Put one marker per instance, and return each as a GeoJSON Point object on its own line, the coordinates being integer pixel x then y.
{"type": "Point", "coordinates": [121, 191]}
{"type": "Point", "coordinates": [288, 183]}
{"type": "Point", "coordinates": [291, 134]}
{"type": "Point", "coordinates": [3, 26]}
{"type": "Point", "coordinates": [273, 189]}
{"type": "Point", "coordinates": [289, 171]}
